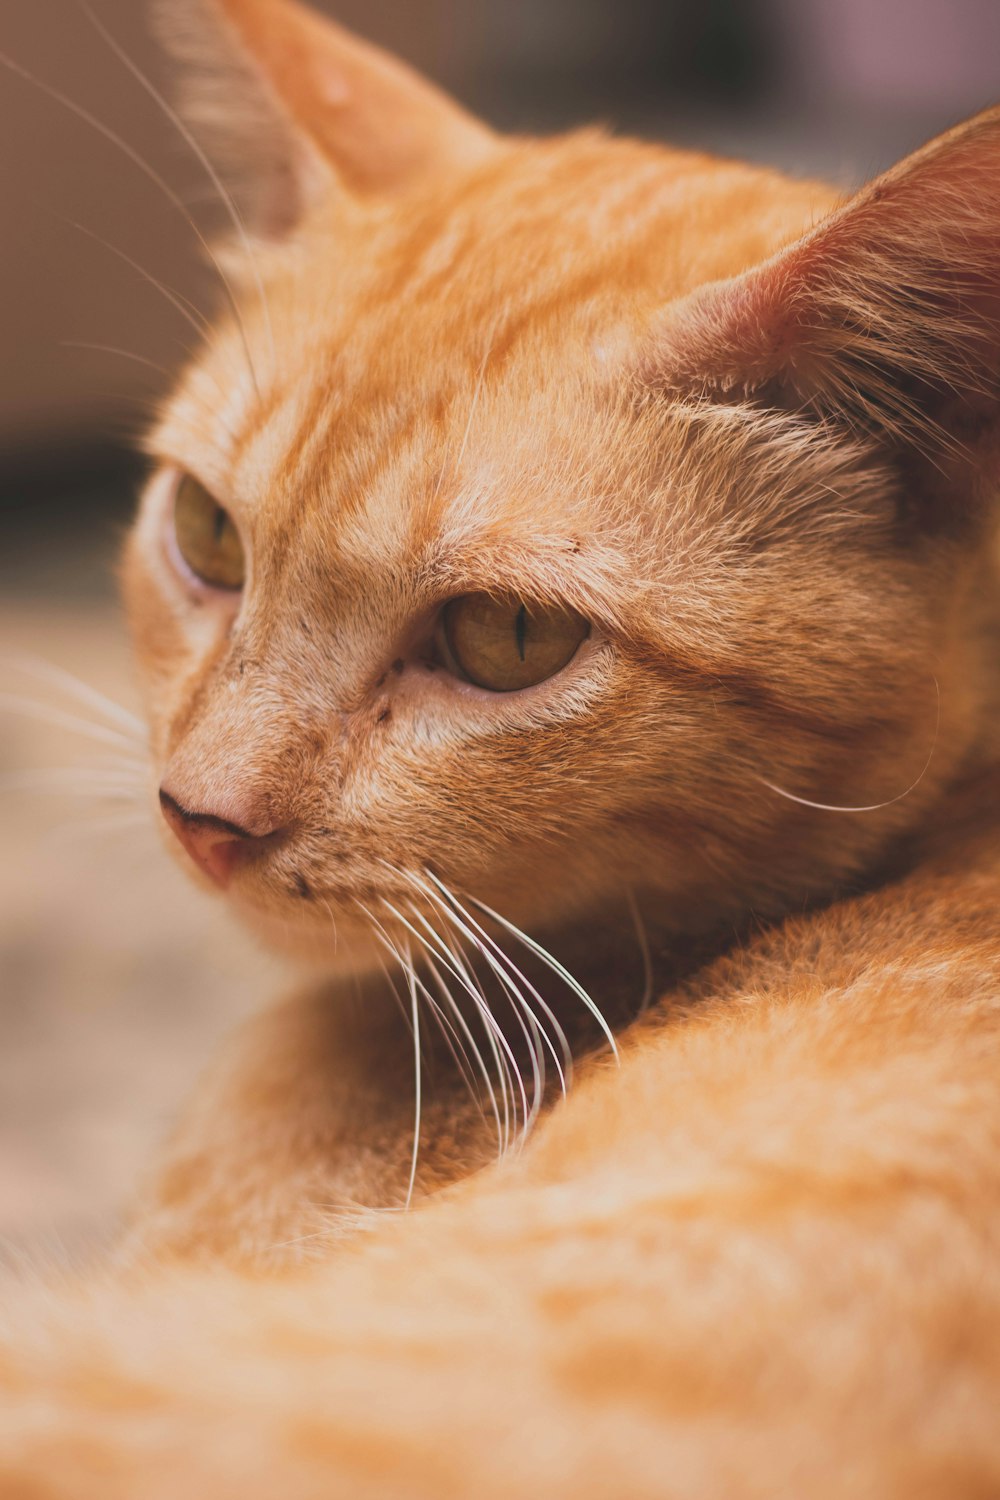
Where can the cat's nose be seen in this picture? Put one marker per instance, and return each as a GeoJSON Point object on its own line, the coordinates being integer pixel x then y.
{"type": "Point", "coordinates": [217, 847]}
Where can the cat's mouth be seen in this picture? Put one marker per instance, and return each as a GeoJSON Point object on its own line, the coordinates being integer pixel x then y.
{"type": "Point", "coordinates": [293, 911]}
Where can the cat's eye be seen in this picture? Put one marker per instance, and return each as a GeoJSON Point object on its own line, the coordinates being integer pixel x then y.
{"type": "Point", "coordinates": [505, 644]}
{"type": "Point", "coordinates": [206, 537]}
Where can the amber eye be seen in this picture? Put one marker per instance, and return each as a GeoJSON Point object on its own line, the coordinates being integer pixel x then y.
{"type": "Point", "coordinates": [206, 537]}
{"type": "Point", "coordinates": [505, 644]}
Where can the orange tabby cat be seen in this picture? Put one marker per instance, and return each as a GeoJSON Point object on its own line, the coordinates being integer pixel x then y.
{"type": "Point", "coordinates": [582, 543]}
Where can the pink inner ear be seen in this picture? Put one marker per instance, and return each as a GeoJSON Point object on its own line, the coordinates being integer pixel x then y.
{"type": "Point", "coordinates": [334, 89]}
{"type": "Point", "coordinates": [888, 304]}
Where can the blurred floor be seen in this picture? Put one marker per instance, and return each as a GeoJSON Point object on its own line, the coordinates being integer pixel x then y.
{"type": "Point", "coordinates": [117, 979]}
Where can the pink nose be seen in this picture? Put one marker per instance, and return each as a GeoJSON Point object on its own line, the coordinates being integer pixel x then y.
{"type": "Point", "coordinates": [216, 846]}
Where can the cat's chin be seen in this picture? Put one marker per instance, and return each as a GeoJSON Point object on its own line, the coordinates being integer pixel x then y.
{"type": "Point", "coordinates": [334, 942]}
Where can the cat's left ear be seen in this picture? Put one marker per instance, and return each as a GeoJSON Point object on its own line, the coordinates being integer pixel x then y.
{"type": "Point", "coordinates": [288, 97]}
{"type": "Point", "coordinates": [886, 315]}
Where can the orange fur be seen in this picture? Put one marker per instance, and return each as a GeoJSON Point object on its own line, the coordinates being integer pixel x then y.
{"type": "Point", "coordinates": [751, 435]}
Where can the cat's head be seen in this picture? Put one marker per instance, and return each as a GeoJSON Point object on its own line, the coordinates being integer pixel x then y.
{"type": "Point", "coordinates": [552, 515]}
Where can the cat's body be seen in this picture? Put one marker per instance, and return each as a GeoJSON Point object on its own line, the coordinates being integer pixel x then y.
{"type": "Point", "coordinates": [741, 462]}
{"type": "Point", "coordinates": [759, 1260]}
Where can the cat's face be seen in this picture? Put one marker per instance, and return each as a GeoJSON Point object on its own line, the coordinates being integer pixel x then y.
{"type": "Point", "coordinates": [480, 595]}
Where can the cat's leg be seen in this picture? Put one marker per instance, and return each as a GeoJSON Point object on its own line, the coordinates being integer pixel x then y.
{"type": "Point", "coordinates": [303, 1126]}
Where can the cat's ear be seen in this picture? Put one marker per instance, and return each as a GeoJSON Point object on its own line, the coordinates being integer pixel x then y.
{"type": "Point", "coordinates": [886, 315]}
{"type": "Point", "coordinates": [291, 100]}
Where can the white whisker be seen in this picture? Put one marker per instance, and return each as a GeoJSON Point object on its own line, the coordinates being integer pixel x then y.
{"type": "Point", "coordinates": [552, 963]}
{"type": "Point", "coordinates": [405, 962]}
{"type": "Point", "coordinates": [62, 781]}
{"type": "Point", "coordinates": [529, 1030]}
{"type": "Point", "coordinates": [564, 1067]}
{"type": "Point", "coordinates": [445, 1025]}
{"type": "Point", "coordinates": [508, 976]}
{"type": "Point", "coordinates": [455, 1009]}
{"type": "Point", "coordinates": [443, 952]}
{"type": "Point", "coordinates": [873, 806]}
{"type": "Point", "coordinates": [150, 172]}
{"type": "Point", "coordinates": [417, 1078]}
{"type": "Point", "coordinates": [452, 1041]}
{"type": "Point", "coordinates": [482, 1007]}
{"type": "Point", "coordinates": [140, 359]}
{"type": "Point", "coordinates": [205, 162]}
{"type": "Point", "coordinates": [47, 671]}
{"type": "Point", "coordinates": [476, 393]}
{"type": "Point", "coordinates": [113, 823]}
{"type": "Point", "coordinates": [482, 1010]}
{"type": "Point", "coordinates": [474, 403]}
{"type": "Point", "coordinates": [136, 359]}
{"type": "Point", "coordinates": [503, 1057]}
{"type": "Point", "coordinates": [347, 1214]}
{"type": "Point", "coordinates": [404, 958]}
{"type": "Point", "coordinates": [480, 999]}
{"type": "Point", "coordinates": [191, 315]}
{"type": "Point", "coordinates": [647, 959]}
{"type": "Point", "coordinates": [395, 993]}
{"type": "Point", "coordinates": [60, 719]}
{"type": "Point", "coordinates": [333, 921]}
{"type": "Point", "coordinates": [495, 1037]}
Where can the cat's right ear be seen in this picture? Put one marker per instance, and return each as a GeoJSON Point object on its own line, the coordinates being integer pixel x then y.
{"type": "Point", "coordinates": [885, 318]}
{"type": "Point", "coordinates": [291, 104]}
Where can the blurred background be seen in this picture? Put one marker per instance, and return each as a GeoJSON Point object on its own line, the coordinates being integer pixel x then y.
{"type": "Point", "coordinates": [115, 980]}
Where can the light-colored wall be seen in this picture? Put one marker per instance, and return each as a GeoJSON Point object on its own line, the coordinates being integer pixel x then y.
{"type": "Point", "coordinates": [55, 284]}
{"type": "Point", "coordinates": [58, 285]}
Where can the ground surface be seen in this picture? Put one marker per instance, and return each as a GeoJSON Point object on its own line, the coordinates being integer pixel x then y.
{"type": "Point", "coordinates": [116, 979]}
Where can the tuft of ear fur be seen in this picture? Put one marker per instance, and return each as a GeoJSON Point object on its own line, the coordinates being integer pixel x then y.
{"type": "Point", "coordinates": [274, 169]}
{"type": "Point", "coordinates": [886, 315]}
{"type": "Point", "coordinates": [294, 102]}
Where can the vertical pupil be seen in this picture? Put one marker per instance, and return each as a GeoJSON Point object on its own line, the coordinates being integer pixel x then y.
{"type": "Point", "coordinates": [218, 523]}
{"type": "Point", "coordinates": [520, 630]}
